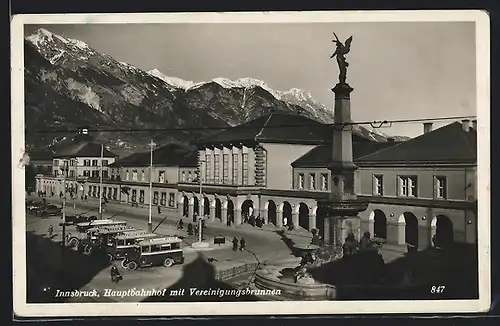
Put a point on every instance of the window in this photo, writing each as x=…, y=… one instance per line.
x=324, y=181
x=143, y=176
x=104, y=162
x=94, y=162
x=245, y=169
x=208, y=168
x=134, y=195
x=56, y=162
x=95, y=174
x=190, y=176
x=225, y=168
x=235, y=169
x=378, y=185
x=183, y=176
x=216, y=168
x=312, y=181
x=161, y=177
x=134, y=175
x=163, y=198
x=301, y=181
x=441, y=187
x=408, y=186
x=141, y=196
x=94, y=191
x=115, y=193
x=171, y=199
x=86, y=173
x=104, y=174
x=127, y=175
x=72, y=173
x=86, y=162
x=155, y=197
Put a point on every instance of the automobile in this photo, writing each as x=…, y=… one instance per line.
x=166, y=251
x=100, y=239
x=79, y=218
x=81, y=236
x=33, y=206
x=48, y=210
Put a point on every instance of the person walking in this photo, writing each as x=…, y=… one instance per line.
x=242, y=244
x=159, y=209
x=115, y=274
x=51, y=230
x=235, y=244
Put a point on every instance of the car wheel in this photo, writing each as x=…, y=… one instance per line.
x=110, y=257
x=124, y=263
x=73, y=242
x=168, y=262
x=132, y=266
x=88, y=249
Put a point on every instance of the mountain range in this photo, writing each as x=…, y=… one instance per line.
x=69, y=85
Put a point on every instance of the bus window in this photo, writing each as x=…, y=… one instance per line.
x=155, y=248
x=175, y=245
x=145, y=249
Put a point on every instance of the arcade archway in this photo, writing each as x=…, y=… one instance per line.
x=444, y=230
x=247, y=208
x=185, y=206
x=218, y=209
x=196, y=208
x=271, y=212
x=206, y=206
x=411, y=228
x=287, y=213
x=379, y=224
x=230, y=211
x=304, y=216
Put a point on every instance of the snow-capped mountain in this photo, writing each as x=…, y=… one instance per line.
x=67, y=83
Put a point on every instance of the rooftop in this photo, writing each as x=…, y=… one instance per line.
x=448, y=144
x=83, y=148
x=277, y=127
x=168, y=155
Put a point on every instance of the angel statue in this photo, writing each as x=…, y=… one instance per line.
x=340, y=52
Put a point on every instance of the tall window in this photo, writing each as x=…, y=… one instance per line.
x=56, y=162
x=86, y=173
x=244, y=173
x=324, y=181
x=115, y=193
x=301, y=181
x=208, y=168
x=72, y=173
x=216, y=167
x=127, y=176
x=183, y=176
x=155, y=197
x=104, y=174
x=163, y=198
x=225, y=168
x=86, y=162
x=190, y=176
x=95, y=174
x=312, y=181
x=104, y=162
x=143, y=176
x=94, y=162
x=134, y=175
x=408, y=186
x=441, y=187
x=161, y=177
x=134, y=195
x=235, y=169
x=141, y=196
x=378, y=185
x=171, y=199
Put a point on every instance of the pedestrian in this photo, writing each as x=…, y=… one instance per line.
x=242, y=243
x=190, y=229
x=290, y=227
x=51, y=230
x=159, y=209
x=235, y=244
x=181, y=224
x=285, y=221
x=86, y=198
x=115, y=274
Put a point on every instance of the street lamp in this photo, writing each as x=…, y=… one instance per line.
x=100, y=182
x=150, y=223
x=64, y=171
x=200, y=216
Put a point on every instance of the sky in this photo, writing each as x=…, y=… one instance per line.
x=399, y=70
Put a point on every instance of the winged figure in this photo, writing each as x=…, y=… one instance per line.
x=340, y=52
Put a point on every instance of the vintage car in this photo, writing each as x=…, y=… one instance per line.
x=75, y=239
x=48, y=210
x=166, y=251
x=100, y=239
x=80, y=218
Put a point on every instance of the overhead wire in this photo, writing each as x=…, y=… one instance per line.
x=374, y=124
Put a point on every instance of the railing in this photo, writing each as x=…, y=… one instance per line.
x=235, y=271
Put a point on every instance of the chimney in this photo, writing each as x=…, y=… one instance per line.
x=427, y=127
x=474, y=125
x=465, y=125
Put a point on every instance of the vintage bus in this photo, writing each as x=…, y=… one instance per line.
x=126, y=242
x=102, y=237
x=75, y=240
x=166, y=251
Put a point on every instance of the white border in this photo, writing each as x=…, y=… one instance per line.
x=21, y=308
